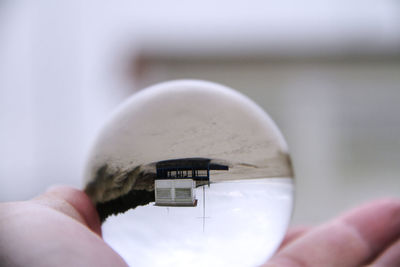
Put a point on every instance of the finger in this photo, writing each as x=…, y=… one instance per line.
x=377, y=223
x=293, y=234
x=74, y=203
x=352, y=240
x=390, y=257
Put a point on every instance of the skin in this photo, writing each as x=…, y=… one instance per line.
x=61, y=228
x=368, y=235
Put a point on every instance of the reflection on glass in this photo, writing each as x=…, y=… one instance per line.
x=214, y=190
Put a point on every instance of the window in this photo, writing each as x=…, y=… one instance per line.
x=201, y=173
x=164, y=193
x=183, y=193
x=172, y=174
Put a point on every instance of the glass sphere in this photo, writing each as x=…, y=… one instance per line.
x=191, y=173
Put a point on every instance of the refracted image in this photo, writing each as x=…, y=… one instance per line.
x=167, y=183
x=191, y=172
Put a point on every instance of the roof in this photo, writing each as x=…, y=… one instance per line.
x=189, y=164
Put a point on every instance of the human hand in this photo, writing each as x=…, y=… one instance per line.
x=59, y=228
x=368, y=235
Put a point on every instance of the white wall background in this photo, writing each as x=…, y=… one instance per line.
x=327, y=71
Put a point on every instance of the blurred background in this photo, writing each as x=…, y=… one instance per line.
x=328, y=73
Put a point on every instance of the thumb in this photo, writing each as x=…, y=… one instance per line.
x=74, y=203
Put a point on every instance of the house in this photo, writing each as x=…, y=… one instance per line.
x=177, y=179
